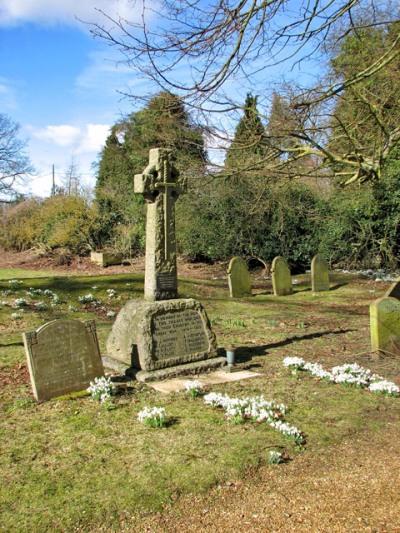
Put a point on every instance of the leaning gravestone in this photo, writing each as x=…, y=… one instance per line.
x=162, y=335
x=281, y=278
x=385, y=325
x=238, y=278
x=63, y=356
x=319, y=274
x=394, y=290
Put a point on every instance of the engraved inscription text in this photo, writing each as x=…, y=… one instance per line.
x=179, y=333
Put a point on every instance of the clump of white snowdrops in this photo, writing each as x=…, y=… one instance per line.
x=154, y=417
x=349, y=374
x=101, y=389
x=194, y=388
x=257, y=409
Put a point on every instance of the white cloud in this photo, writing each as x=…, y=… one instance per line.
x=13, y=12
x=93, y=138
x=61, y=135
x=58, y=144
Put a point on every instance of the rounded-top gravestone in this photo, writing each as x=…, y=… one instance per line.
x=319, y=274
x=63, y=356
x=385, y=325
x=239, y=278
x=281, y=278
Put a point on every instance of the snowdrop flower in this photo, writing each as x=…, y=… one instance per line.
x=193, y=388
x=153, y=416
x=101, y=389
x=20, y=302
x=294, y=362
x=16, y=316
x=86, y=298
x=275, y=458
x=288, y=430
x=385, y=387
x=111, y=314
x=317, y=370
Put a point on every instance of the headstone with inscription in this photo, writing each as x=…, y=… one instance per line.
x=281, y=278
x=162, y=335
x=63, y=356
x=238, y=278
x=319, y=274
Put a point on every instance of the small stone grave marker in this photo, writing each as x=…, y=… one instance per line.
x=319, y=274
x=239, y=278
x=281, y=278
x=63, y=356
x=385, y=325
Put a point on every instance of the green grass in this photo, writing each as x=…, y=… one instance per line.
x=20, y=273
x=71, y=464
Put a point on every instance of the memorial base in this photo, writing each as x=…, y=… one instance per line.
x=199, y=367
x=162, y=337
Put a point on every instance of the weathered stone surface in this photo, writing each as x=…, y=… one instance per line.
x=160, y=186
x=281, y=278
x=63, y=356
x=319, y=274
x=105, y=259
x=239, y=278
x=156, y=335
x=394, y=290
x=385, y=325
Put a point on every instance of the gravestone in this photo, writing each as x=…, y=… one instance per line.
x=105, y=259
x=162, y=335
x=385, y=325
x=281, y=278
x=319, y=274
x=238, y=278
x=394, y=290
x=63, y=356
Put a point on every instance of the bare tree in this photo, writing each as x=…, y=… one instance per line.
x=198, y=48
x=14, y=163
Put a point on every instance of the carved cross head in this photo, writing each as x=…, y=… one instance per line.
x=159, y=176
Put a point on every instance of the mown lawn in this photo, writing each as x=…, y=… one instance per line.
x=71, y=464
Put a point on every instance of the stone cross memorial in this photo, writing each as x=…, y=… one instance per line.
x=281, y=278
x=319, y=274
x=160, y=185
x=63, y=356
x=239, y=278
x=162, y=335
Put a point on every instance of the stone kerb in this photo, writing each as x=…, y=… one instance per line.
x=63, y=356
x=281, y=278
x=385, y=325
x=239, y=280
x=319, y=274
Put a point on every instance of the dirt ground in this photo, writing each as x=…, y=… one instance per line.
x=341, y=489
x=31, y=260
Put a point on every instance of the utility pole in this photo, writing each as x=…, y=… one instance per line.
x=53, y=187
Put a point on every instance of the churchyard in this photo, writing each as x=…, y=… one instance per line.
x=74, y=463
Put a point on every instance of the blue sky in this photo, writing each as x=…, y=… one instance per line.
x=59, y=83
